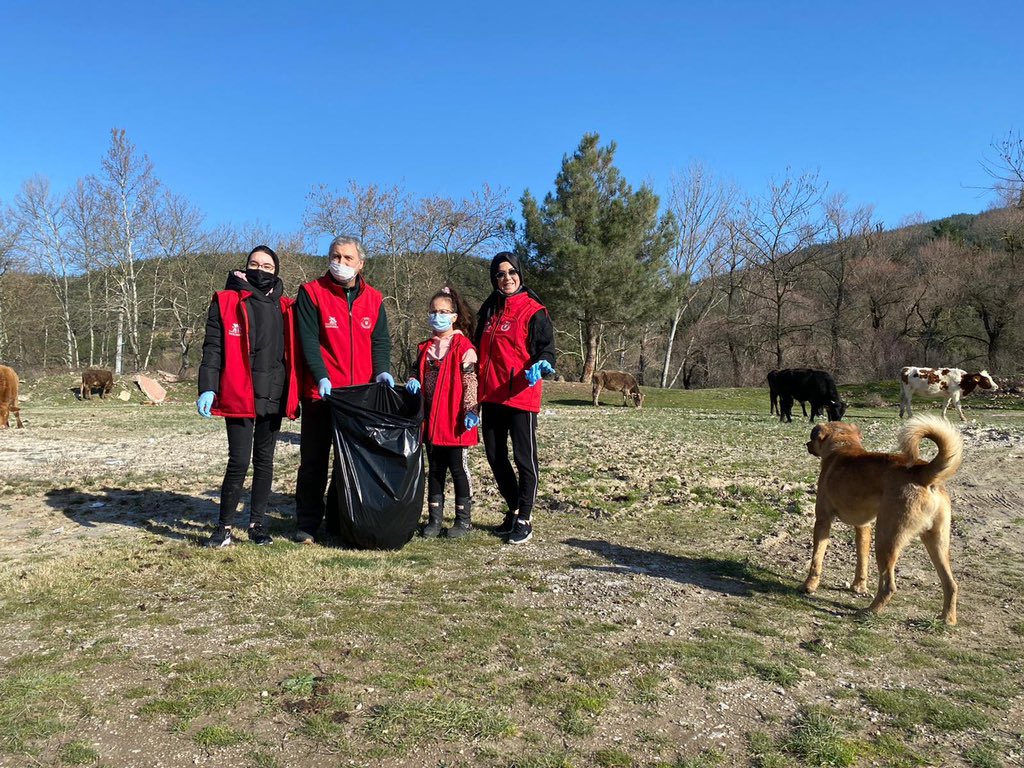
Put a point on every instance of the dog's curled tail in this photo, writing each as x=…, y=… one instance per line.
x=944, y=435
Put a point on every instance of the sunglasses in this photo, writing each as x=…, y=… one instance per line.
x=511, y=273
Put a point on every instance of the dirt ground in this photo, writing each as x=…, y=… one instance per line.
x=49, y=477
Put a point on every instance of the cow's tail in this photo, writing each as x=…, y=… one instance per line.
x=950, y=444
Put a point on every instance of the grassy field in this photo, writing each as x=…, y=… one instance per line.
x=654, y=620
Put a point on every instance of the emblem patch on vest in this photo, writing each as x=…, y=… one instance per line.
x=365, y=322
x=505, y=326
x=331, y=323
x=236, y=330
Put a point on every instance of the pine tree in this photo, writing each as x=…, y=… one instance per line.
x=598, y=248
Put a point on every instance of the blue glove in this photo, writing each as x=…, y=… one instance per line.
x=472, y=420
x=412, y=386
x=386, y=378
x=204, y=403
x=538, y=369
x=324, y=388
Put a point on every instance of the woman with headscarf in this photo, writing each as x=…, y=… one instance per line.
x=244, y=378
x=516, y=344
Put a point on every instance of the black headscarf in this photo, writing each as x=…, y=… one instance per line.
x=496, y=301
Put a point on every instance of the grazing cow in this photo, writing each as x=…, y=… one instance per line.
x=618, y=381
x=96, y=378
x=807, y=384
x=773, y=394
x=9, y=397
x=950, y=383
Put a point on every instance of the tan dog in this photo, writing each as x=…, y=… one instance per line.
x=906, y=494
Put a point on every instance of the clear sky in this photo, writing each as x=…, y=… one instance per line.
x=244, y=106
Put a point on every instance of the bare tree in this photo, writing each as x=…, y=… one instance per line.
x=128, y=189
x=10, y=235
x=181, y=242
x=1004, y=163
x=851, y=235
x=702, y=205
x=44, y=240
x=780, y=231
x=83, y=208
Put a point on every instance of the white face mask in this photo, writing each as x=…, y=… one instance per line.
x=342, y=272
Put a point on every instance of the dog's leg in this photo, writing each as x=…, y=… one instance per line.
x=822, y=529
x=936, y=541
x=889, y=543
x=860, y=579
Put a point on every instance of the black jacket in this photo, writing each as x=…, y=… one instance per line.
x=266, y=346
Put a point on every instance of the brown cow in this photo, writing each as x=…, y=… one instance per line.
x=618, y=381
x=9, y=397
x=96, y=378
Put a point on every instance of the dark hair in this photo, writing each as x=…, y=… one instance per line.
x=467, y=319
x=267, y=250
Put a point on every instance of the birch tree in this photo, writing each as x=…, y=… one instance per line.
x=702, y=206
x=44, y=239
x=128, y=187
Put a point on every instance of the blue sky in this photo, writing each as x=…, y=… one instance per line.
x=243, y=107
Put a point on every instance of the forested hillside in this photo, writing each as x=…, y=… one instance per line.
x=709, y=286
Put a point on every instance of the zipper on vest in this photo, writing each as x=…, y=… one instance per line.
x=351, y=345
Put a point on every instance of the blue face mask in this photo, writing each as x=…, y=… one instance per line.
x=440, y=321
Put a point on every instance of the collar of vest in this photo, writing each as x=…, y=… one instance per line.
x=332, y=285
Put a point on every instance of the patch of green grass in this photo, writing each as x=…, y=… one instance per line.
x=218, y=736
x=895, y=752
x=189, y=703
x=764, y=753
x=782, y=674
x=613, y=757
x=982, y=756
x=403, y=724
x=708, y=758
x=910, y=707
x=818, y=740
x=27, y=713
x=77, y=753
x=259, y=759
x=543, y=760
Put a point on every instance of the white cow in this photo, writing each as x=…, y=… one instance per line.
x=950, y=383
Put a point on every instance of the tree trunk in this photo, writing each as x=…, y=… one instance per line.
x=672, y=329
x=592, y=336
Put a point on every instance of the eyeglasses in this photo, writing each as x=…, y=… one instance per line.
x=511, y=273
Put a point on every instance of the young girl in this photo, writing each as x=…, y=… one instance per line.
x=447, y=376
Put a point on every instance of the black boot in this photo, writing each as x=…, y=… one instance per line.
x=435, y=508
x=463, y=525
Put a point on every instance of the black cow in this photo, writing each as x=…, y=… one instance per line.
x=773, y=394
x=806, y=384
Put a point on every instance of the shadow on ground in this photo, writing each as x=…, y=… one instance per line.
x=731, y=577
x=175, y=516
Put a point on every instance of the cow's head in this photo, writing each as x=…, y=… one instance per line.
x=638, y=397
x=985, y=381
x=836, y=410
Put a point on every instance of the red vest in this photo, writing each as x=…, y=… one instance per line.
x=445, y=423
x=345, y=333
x=504, y=355
x=235, y=398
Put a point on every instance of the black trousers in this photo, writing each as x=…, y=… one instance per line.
x=317, y=437
x=255, y=440
x=499, y=423
x=444, y=459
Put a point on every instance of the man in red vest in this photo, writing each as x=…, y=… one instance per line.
x=516, y=344
x=343, y=330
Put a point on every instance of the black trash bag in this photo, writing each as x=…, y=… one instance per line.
x=376, y=493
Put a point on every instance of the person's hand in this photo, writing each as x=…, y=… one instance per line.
x=324, y=388
x=412, y=386
x=537, y=370
x=204, y=403
x=472, y=420
x=386, y=378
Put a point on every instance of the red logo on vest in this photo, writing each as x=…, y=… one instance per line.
x=365, y=322
x=236, y=330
